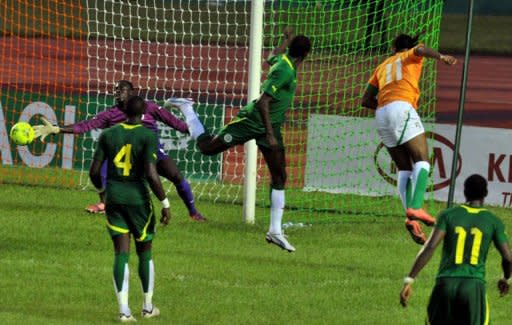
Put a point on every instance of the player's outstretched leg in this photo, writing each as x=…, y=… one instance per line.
x=167, y=168
x=207, y=144
x=185, y=105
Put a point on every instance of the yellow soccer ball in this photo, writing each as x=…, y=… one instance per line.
x=22, y=133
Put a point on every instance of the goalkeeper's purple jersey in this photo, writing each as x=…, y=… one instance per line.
x=114, y=115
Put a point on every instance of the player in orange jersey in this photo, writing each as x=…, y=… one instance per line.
x=393, y=92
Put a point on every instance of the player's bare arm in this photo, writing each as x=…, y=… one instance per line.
x=506, y=265
x=95, y=175
x=157, y=188
x=427, y=52
x=288, y=36
x=422, y=259
x=370, y=97
x=263, y=105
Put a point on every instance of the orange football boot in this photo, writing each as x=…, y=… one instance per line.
x=414, y=229
x=421, y=215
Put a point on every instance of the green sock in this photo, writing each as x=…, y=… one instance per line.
x=145, y=269
x=147, y=278
x=420, y=179
x=120, y=261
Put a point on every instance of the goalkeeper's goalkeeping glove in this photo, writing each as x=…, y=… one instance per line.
x=45, y=129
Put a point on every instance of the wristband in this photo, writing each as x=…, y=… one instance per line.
x=408, y=280
x=165, y=203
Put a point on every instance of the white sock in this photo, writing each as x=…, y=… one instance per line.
x=195, y=127
x=404, y=177
x=147, y=303
x=276, y=210
x=122, y=293
x=416, y=169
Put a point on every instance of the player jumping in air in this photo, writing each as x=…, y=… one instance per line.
x=261, y=120
x=394, y=92
x=165, y=165
x=130, y=151
x=468, y=230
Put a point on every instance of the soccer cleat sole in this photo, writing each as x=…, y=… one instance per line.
x=420, y=215
x=418, y=238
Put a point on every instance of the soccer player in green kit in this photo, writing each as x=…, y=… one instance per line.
x=261, y=120
x=467, y=230
x=130, y=150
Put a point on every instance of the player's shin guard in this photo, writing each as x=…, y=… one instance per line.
x=147, y=278
x=420, y=172
x=186, y=196
x=404, y=184
x=121, y=280
x=276, y=210
x=195, y=127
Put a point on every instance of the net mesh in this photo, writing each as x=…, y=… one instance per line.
x=69, y=56
x=332, y=147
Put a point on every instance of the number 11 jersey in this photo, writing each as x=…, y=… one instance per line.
x=397, y=78
x=469, y=234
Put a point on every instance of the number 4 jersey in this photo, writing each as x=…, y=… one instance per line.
x=469, y=234
x=397, y=78
x=126, y=147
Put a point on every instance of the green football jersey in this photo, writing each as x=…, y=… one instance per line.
x=126, y=148
x=280, y=84
x=469, y=234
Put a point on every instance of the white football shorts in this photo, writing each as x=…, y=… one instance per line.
x=397, y=123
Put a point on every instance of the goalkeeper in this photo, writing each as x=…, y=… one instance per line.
x=261, y=120
x=165, y=165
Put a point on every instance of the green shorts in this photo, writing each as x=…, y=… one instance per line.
x=458, y=301
x=242, y=129
x=138, y=220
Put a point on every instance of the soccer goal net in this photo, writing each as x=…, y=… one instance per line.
x=63, y=58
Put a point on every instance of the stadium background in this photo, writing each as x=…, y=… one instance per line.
x=55, y=260
x=62, y=55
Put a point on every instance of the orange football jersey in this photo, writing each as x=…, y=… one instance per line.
x=397, y=78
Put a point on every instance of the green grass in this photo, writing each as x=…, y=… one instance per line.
x=55, y=266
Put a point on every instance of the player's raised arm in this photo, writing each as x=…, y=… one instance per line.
x=427, y=52
x=287, y=39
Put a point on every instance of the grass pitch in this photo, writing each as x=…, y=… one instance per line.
x=56, y=260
